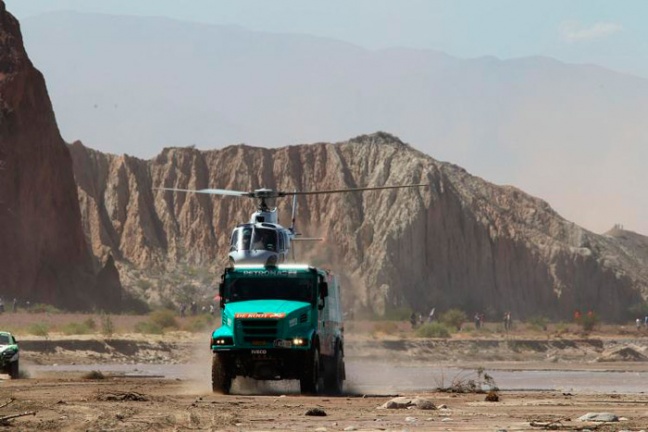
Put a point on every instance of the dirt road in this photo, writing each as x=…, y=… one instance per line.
x=70, y=403
x=63, y=400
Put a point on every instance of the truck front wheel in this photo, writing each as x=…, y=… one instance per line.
x=14, y=370
x=221, y=376
x=310, y=379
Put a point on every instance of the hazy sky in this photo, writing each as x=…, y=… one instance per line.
x=610, y=33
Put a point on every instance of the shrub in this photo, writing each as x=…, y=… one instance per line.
x=562, y=327
x=433, y=330
x=398, y=314
x=90, y=323
x=453, y=318
x=38, y=329
x=148, y=327
x=639, y=309
x=75, y=328
x=163, y=318
x=107, y=325
x=93, y=375
x=588, y=321
x=538, y=323
x=477, y=381
x=385, y=327
x=200, y=323
x=44, y=308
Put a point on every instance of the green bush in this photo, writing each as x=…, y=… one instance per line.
x=90, y=323
x=75, y=328
x=453, y=318
x=433, y=330
x=588, y=321
x=398, y=314
x=562, y=327
x=148, y=327
x=43, y=308
x=538, y=323
x=38, y=329
x=638, y=310
x=164, y=318
x=200, y=323
x=385, y=327
x=107, y=325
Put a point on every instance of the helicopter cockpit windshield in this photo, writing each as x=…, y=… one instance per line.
x=254, y=238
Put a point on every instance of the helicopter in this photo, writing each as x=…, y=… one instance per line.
x=263, y=240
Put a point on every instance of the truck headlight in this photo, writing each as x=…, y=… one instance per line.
x=222, y=340
x=300, y=342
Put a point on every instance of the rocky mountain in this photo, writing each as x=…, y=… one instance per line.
x=461, y=242
x=44, y=255
x=548, y=127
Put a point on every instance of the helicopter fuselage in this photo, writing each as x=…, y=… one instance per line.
x=259, y=243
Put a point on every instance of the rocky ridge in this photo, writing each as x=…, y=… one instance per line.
x=462, y=242
x=44, y=255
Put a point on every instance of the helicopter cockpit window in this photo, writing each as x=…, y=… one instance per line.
x=264, y=239
x=235, y=239
x=281, y=241
x=245, y=237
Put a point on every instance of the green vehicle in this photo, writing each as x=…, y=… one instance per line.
x=9, y=355
x=279, y=323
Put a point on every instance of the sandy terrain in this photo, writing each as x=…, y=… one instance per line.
x=162, y=383
x=74, y=404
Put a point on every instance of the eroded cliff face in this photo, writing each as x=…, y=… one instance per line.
x=43, y=253
x=462, y=242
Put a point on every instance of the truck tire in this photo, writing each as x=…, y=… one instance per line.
x=221, y=376
x=334, y=374
x=309, y=383
x=14, y=370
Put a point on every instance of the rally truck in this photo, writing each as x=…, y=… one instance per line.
x=9, y=355
x=280, y=322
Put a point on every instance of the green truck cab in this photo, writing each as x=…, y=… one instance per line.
x=9, y=355
x=279, y=322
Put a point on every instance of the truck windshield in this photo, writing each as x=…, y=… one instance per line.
x=296, y=289
x=4, y=340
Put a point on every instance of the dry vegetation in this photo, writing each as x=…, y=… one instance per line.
x=49, y=322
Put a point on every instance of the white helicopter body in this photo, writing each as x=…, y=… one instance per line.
x=263, y=240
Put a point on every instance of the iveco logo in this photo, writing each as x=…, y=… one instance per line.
x=259, y=351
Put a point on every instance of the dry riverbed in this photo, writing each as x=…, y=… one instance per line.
x=162, y=383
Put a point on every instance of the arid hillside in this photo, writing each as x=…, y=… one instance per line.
x=460, y=242
x=44, y=256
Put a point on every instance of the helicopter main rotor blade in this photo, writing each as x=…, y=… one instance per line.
x=209, y=191
x=349, y=190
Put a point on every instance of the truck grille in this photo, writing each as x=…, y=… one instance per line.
x=258, y=331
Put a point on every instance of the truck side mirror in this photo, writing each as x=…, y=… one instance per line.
x=221, y=292
x=321, y=303
x=323, y=289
